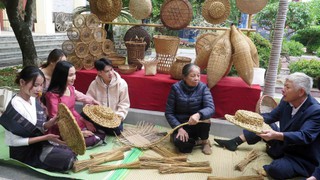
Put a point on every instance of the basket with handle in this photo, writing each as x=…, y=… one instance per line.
x=135, y=50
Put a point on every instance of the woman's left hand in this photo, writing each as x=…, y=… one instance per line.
x=194, y=119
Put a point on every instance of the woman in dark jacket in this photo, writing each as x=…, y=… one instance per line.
x=190, y=101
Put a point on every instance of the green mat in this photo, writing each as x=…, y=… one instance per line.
x=130, y=156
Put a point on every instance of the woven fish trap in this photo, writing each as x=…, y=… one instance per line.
x=79, y=21
x=107, y=46
x=68, y=47
x=265, y=104
x=73, y=34
x=253, y=50
x=104, y=116
x=176, y=14
x=238, y=42
x=77, y=62
x=251, y=6
x=92, y=21
x=137, y=32
x=177, y=66
x=140, y=9
x=166, y=44
x=219, y=59
x=135, y=51
x=95, y=48
x=165, y=63
x=205, y=40
x=150, y=66
x=70, y=131
x=244, y=66
x=81, y=49
x=86, y=34
x=88, y=62
x=99, y=34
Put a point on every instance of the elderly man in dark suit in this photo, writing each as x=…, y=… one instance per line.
x=295, y=145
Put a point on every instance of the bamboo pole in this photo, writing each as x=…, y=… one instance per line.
x=172, y=164
x=165, y=159
x=179, y=169
x=249, y=24
x=188, y=27
x=100, y=168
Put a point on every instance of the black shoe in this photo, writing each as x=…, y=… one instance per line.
x=231, y=145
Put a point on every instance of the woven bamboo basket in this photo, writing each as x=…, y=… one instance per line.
x=135, y=51
x=81, y=49
x=242, y=62
x=68, y=47
x=88, y=62
x=99, y=34
x=127, y=69
x=95, y=48
x=86, y=34
x=137, y=32
x=117, y=60
x=250, y=6
x=219, y=60
x=176, y=14
x=107, y=46
x=77, y=62
x=92, y=21
x=150, y=66
x=140, y=9
x=73, y=34
x=79, y=21
x=178, y=64
x=204, y=40
x=265, y=104
x=253, y=50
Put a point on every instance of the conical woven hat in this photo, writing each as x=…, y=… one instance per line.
x=248, y=120
x=216, y=11
x=140, y=9
x=251, y=6
x=104, y=116
x=70, y=131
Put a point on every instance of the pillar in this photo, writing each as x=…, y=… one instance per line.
x=44, y=23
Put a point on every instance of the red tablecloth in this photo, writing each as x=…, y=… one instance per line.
x=151, y=92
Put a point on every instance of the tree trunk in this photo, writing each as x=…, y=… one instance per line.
x=21, y=28
x=271, y=76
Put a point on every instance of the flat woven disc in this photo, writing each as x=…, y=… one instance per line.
x=73, y=34
x=95, y=48
x=88, y=62
x=77, y=62
x=86, y=34
x=68, y=47
x=81, y=50
x=92, y=21
x=99, y=34
x=79, y=21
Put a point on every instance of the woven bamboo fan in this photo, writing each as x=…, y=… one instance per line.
x=88, y=62
x=92, y=21
x=140, y=9
x=107, y=46
x=137, y=32
x=70, y=131
x=73, y=34
x=79, y=21
x=68, y=47
x=265, y=104
x=176, y=14
x=82, y=49
x=77, y=62
x=95, y=48
x=102, y=115
x=99, y=34
x=86, y=34
x=251, y=6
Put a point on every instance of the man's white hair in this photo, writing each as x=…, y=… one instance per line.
x=301, y=80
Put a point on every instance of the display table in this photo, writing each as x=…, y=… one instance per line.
x=151, y=92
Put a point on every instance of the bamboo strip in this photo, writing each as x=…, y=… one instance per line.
x=84, y=164
x=156, y=165
x=100, y=168
x=252, y=155
x=163, y=151
x=253, y=177
x=188, y=27
x=102, y=154
x=166, y=159
x=178, y=169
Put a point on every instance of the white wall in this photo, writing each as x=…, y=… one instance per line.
x=65, y=6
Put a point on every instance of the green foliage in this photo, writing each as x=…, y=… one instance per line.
x=309, y=37
x=309, y=67
x=8, y=76
x=314, y=11
x=292, y=48
x=318, y=52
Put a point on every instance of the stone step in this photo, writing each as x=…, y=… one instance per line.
x=41, y=45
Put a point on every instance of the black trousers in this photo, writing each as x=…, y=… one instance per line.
x=198, y=131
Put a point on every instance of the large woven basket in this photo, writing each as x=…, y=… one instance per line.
x=137, y=32
x=135, y=51
x=265, y=104
x=251, y=6
x=176, y=14
x=73, y=34
x=176, y=68
x=68, y=47
x=77, y=62
x=81, y=49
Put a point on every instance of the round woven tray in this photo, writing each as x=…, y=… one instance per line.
x=77, y=62
x=95, y=48
x=251, y=6
x=79, y=21
x=81, y=49
x=99, y=34
x=86, y=34
x=265, y=104
x=107, y=46
x=92, y=21
x=137, y=31
x=68, y=47
x=70, y=131
x=176, y=14
x=88, y=62
x=104, y=116
x=73, y=34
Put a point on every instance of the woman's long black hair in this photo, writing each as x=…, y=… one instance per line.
x=59, y=78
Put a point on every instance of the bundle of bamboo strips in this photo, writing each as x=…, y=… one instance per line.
x=252, y=155
x=84, y=164
x=253, y=177
x=100, y=168
x=172, y=164
x=163, y=151
x=102, y=154
x=165, y=159
x=179, y=169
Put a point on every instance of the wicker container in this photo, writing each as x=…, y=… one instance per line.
x=177, y=66
x=265, y=104
x=117, y=60
x=135, y=51
x=137, y=32
x=127, y=69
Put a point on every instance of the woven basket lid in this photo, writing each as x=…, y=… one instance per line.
x=92, y=21
x=79, y=21
x=82, y=49
x=86, y=34
x=107, y=46
x=104, y=116
x=73, y=34
x=137, y=31
x=88, y=62
x=106, y=10
x=68, y=47
x=251, y=6
x=205, y=40
x=216, y=11
x=99, y=34
x=176, y=14
x=95, y=48
x=77, y=62
x=70, y=131
x=265, y=104
x=140, y=9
